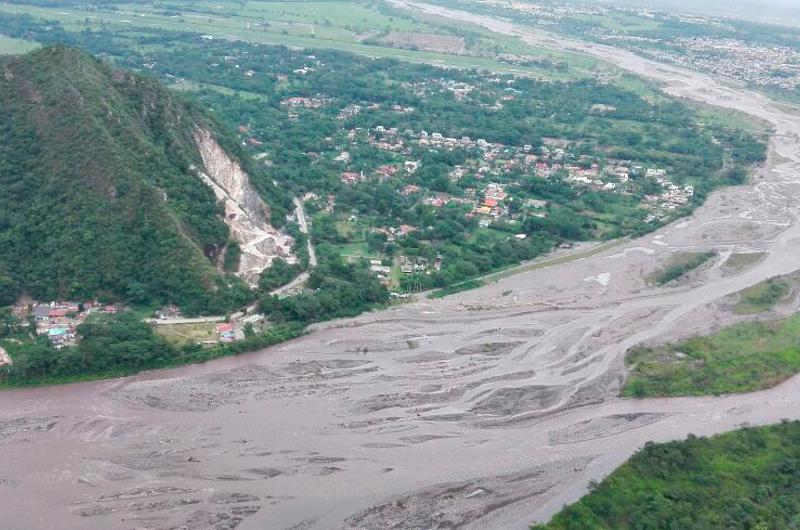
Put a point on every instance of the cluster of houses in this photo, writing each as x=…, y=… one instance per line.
x=490, y=181
x=419, y=265
x=763, y=65
x=233, y=331
x=295, y=103
x=59, y=321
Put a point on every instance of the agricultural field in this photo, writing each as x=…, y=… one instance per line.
x=374, y=29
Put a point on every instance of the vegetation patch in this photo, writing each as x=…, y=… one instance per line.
x=181, y=334
x=457, y=288
x=746, y=479
x=741, y=358
x=740, y=262
x=424, y=41
x=678, y=266
x=115, y=346
x=10, y=45
x=763, y=296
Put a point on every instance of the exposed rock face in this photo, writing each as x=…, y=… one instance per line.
x=246, y=214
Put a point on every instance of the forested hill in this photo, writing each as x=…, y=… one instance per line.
x=100, y=193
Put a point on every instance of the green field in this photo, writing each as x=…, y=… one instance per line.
x=181, y=334
x=342, y=25
x=679, y=265
x=743, y=480
x=763, y=296
x=741, y=358
x=9, y=46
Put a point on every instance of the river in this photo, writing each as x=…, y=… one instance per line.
x=487, y=409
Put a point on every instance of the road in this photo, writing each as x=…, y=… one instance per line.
x=301, y=220
x=486, y=409
x=197, y=320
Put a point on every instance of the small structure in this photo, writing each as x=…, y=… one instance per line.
x=5, y=359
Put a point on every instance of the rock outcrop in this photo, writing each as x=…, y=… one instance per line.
x=246, y=213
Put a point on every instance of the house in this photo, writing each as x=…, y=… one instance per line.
x=406, y=229
x=409, y=190
x=224, y=328
x=411, y=166
x=351, y=177
x=386, y=171
x=41, y=313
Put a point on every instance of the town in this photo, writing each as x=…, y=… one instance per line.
x=60, y=321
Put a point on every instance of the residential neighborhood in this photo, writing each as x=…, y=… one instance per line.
x=59, y=321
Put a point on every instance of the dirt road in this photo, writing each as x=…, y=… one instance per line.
x=301, y=220
x=488, y=409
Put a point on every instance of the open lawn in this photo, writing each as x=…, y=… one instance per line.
x=741, y=358
x=357, y=250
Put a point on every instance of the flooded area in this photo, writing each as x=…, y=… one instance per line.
x=487, y=409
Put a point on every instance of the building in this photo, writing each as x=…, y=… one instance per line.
x=5, y=359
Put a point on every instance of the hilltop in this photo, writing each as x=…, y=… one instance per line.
x=116, y=187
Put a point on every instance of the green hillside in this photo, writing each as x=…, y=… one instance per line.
x=100, y=193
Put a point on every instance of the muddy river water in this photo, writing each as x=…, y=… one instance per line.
x=487, y=409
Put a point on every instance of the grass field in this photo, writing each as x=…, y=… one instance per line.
x=742, y=480
x=742, y=358
x=9, y=46
x=180, y=334
x=622, y=23
x=189, y=86
x=357, y=250
x=730, y=119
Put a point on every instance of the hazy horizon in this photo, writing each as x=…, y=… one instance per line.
x=761, y=10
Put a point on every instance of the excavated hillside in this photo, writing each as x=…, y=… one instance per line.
x=103, y=195
x=246, y=213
